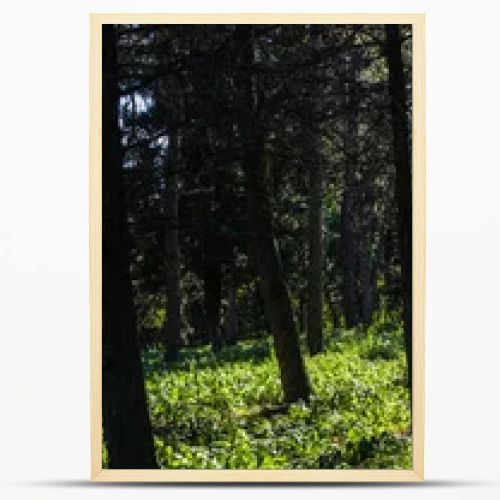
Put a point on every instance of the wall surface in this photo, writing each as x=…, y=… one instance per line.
x=44, y=320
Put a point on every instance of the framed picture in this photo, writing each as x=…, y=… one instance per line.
x=257, y=245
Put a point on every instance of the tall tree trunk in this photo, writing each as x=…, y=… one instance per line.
x=302, y=312
x=172, y=251
x=315, y=270
x=231, y=319
x=399, y=111
x=277, y=305
x=367, y=264
x=275, y=295
x=366, y=283
x=127, y=429
x=212, y=281
x=347, y=229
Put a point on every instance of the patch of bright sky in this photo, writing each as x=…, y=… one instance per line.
x=142, y=102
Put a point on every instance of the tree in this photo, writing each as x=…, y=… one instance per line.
x=127, y=430
x=399, y=115
x=314, y=156
x=348, y=233
x=172, y=251
x=277, y=304
x=315, y=271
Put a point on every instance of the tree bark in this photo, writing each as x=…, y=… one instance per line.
x=367, y=264
x=347, y=229
x=212, y=281
x=277, y=305
x=302, y=310
x=172, y=252
x=231, y=320
x=367, y=286
x=399, y=112
x=127, y=429
x=315, y=270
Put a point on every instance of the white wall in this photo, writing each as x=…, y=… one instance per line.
x=44, y=432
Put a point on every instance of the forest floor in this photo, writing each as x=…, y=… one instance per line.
x=223, y=411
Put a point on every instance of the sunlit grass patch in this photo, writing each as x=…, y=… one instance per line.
x=225, y=411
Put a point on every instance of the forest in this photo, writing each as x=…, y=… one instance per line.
x=257, y=246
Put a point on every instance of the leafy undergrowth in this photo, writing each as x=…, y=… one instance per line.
x=216, y=412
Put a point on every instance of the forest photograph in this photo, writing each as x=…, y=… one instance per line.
x=257, y=246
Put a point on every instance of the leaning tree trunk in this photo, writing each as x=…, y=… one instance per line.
x=275, y=295
x=172, y=252
x=399, y=111
x=315, y=270
x=277, y=305
x=127, y=429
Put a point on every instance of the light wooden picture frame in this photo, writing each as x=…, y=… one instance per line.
x=419, y=248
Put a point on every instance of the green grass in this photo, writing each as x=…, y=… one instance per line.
x=211, y=412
